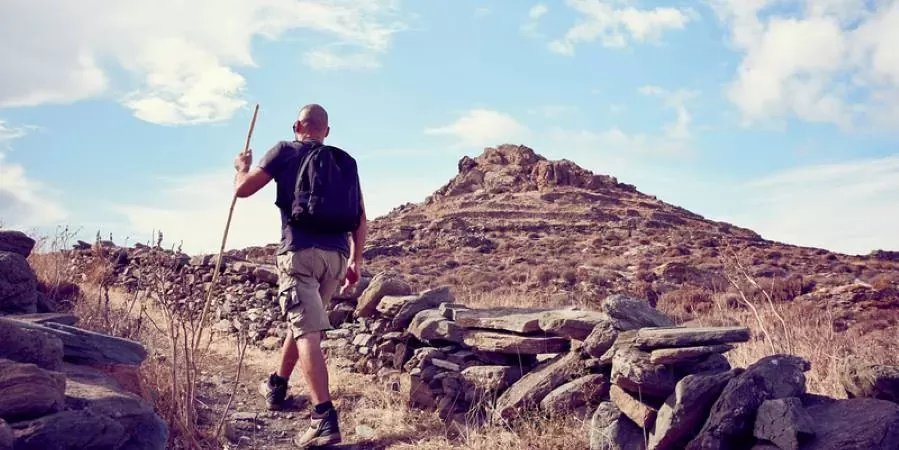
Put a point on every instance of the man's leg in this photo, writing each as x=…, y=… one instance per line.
x=289, y=356
x=324, y=428
x=312, y=364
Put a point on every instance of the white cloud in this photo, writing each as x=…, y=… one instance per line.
x=25, y=203
x=822, y=61
x=329, y=60
x=537, y=11
x=483, y=128
x=181, y=58
x=615, y=25
x=529, y=28
x=482, y=12
x=679, y=130
x=848, y=207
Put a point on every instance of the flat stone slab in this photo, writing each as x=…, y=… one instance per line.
x=492, y=341
x=639, y=412
x=431, y=325
x=87, y=347
x=570, y=323
x=685, y=354
x=536, y=384
x=63, y=318
x=668, y=337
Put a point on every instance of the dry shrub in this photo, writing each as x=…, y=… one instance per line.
x=809, y=333
x=545, y=276
x=882, y=282
x=682, y=304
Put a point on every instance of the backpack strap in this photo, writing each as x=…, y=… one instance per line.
x=315, y=146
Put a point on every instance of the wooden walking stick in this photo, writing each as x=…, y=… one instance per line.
x=218, y=262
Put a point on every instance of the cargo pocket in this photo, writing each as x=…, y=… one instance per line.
x=287, y=299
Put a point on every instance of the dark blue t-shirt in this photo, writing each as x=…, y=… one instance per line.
x=282, y=162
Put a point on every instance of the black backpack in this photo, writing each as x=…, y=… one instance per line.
x=327, y=197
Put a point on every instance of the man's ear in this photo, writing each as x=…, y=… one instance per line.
x=297, y=126
x=328, y=131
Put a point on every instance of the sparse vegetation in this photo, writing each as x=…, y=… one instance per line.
x=825, y=307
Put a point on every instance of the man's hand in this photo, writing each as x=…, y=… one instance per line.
x=352, y=276
x=243, y=161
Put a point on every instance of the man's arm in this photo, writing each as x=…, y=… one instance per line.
x=247, y=182
x=359, y=235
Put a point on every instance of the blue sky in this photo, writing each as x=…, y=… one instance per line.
x=124, y=117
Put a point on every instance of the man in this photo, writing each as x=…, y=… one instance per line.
x=311, y=267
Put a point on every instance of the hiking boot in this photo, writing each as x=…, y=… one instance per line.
x=275, y=391
x=323, y=430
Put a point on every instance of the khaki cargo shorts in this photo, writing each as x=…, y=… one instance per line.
x=307, y=279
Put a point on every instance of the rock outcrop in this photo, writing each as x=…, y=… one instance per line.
x=57, y=389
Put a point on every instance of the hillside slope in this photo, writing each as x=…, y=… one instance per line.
x=513, y=222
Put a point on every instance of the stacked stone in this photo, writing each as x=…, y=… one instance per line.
x=673, y=389
x=650, y=368
x=62, y=386
x=474, y=364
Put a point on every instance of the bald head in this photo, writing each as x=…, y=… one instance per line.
x=312, y=122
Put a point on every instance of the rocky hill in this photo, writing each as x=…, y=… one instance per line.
x=512, y=221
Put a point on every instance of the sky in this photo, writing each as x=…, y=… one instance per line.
x=124, y=117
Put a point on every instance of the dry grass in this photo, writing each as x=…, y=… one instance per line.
x=169, y=374
x=778, y=326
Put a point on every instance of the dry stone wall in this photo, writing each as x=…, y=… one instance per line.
x=62, y=386
x=638, y=380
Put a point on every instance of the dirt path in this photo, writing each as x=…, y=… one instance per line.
x=371, y=415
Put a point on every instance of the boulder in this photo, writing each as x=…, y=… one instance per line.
x=600, y=339
x=871, y=380
x=859, y=423
x=490, y=380
x=684, y=412
x=536, y=384
x=730, y=421
x=628, y=313
x=86, y=347
x=431, y=325
x=78, y=429
x=633, y=371
x=16, y=242
x=90, y=389
x=384, y=283
x=29, y=345
x=18, y=285
x=586, y=391
x=612, y=430
x=404, y=307
x=783, y=422
x=28, y=392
